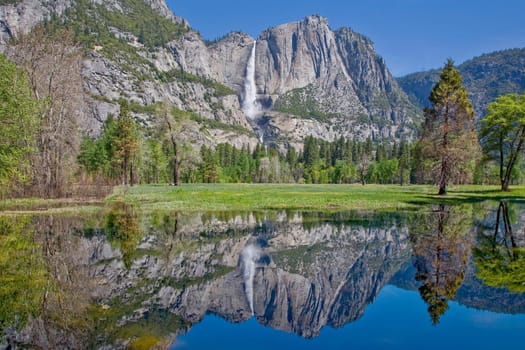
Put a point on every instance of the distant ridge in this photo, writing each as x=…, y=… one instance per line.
x=485, y=77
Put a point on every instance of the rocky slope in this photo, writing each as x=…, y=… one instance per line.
x=310, y=80
x=485, y=77
x=333, y=77
x=20, y=16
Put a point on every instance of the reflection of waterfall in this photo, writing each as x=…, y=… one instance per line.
x=249, y=257
x=250, y=106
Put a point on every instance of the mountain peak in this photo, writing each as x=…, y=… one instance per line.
x=315, y=19
x=161, y=7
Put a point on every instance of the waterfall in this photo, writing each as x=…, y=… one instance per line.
x=249, y=257
x=250, y=107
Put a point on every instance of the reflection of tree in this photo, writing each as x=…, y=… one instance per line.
x=123, y=230
x=67, y=301
x=23, y=276
x=441, y=249
x=499, y=260
x=44, y=283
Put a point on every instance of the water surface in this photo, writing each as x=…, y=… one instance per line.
x=442, y=276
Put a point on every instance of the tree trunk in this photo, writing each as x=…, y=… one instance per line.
x=125, y=170
x=505, y=184
x=175, y=162
x=131, y=175
x=175, y=171
x=443, y=179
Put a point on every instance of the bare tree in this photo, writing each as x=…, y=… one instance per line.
x=175, y=127
x=53, y=63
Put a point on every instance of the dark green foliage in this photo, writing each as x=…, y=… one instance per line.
x=92, y=156
x=212, y=123
x=321, y=162
x=182, y=76
x=92, y=22
x=114, y=154
x=301, y=103
x=139, y=18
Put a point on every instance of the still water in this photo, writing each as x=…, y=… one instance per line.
x=441, y=276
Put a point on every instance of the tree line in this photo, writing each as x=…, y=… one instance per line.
x=43, y=153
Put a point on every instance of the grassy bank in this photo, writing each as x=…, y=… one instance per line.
x=302, y=197
x=247, y=197
x=50, y=206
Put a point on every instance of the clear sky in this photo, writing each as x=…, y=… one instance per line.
x=412, y=35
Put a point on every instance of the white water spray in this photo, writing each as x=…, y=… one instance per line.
x=249, y=257
x=250, y=107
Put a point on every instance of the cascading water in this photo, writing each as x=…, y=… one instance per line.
x=249, y=257
x=250, y=106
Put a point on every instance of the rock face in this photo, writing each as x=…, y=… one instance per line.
x=486, y=77
x=310, y=80
x=22, y=16
x=307, y=71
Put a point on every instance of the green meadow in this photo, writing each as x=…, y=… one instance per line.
x=223, y=197
x=246, y=197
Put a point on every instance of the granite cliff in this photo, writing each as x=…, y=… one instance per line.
x=309, y=79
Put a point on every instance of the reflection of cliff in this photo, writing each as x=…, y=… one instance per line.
x=128, y=280
x=303, y=279
x=328, y=277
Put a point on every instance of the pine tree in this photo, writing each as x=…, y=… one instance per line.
x=127, y=144
x=448, y=142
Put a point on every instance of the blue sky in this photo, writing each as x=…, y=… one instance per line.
x=411, y=35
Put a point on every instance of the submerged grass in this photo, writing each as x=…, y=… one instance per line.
x=224, y=197
x=35, y=206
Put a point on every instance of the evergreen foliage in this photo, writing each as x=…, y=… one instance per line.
x=301, y=102
x=115, y=154
x=321, y=161
x=92, y=23
x=448, y=144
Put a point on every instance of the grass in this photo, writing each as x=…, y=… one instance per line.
x=255, y=197
x=245, y=197
x=35, y=206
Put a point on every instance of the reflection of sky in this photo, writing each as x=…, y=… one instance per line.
x=396, y=320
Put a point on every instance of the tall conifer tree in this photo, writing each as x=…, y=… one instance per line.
x=448, y=143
